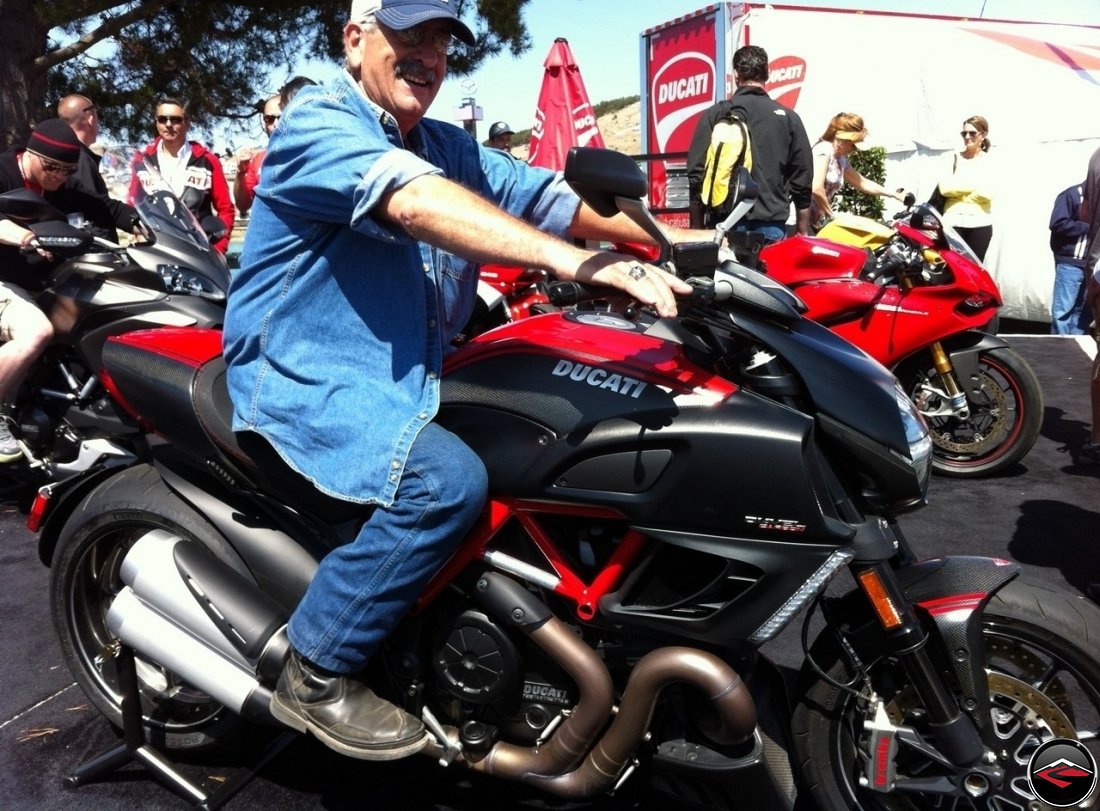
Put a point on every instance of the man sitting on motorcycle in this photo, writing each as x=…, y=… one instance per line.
x=42, y=166
x=338, y=319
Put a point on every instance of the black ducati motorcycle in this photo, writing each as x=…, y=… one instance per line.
x=667, y=495
x=63, y=417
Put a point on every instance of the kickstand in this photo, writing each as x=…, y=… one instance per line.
x=135, y=748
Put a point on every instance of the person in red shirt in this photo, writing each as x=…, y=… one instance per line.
x=249, y=161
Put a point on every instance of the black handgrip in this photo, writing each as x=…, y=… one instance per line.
x=566, y=294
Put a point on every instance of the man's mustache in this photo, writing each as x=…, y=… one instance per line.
x=413, y=70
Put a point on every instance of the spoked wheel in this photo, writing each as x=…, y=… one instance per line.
x=1004, y=419
x=1043, y=669
x=86, y=578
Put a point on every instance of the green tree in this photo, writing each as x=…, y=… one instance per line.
x=215, y=54
x=871, y=163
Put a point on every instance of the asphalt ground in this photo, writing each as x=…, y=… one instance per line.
x=1044, y=513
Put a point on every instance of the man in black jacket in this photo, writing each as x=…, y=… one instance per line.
x=41, y=167
x=80, y=113
x=781, y=161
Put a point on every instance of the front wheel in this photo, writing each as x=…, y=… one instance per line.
x=1042, y=651
x=1004, y=420
x=85, y=579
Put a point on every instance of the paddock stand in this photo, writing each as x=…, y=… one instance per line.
x=135, y=748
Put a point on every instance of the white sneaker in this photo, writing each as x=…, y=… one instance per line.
x=9, y=449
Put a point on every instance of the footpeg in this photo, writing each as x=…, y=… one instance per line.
x=450, y=746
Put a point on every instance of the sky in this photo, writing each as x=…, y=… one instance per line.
x=604, y=38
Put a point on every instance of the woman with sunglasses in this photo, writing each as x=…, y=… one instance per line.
x=968, y=187
x=832, y=168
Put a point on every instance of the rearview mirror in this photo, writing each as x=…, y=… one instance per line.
x=598, y=176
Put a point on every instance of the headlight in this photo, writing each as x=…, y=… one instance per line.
x=181, y=280
x=916, y=434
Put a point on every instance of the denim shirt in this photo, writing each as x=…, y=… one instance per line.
x=337, y=321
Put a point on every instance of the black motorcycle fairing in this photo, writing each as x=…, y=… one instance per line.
x=841, y=379
x=707, y=587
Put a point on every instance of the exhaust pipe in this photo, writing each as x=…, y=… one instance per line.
x=190, y=658
x=202, y=620
x=553, y=765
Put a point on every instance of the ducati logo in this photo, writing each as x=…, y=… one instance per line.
x=785, y=77
x=600, y=378
x=1062, y=773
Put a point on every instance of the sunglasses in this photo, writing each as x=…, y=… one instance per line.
x=270, y=119
x=174, y=120
x=969, y=133
x=443, y=43
x=63, y=169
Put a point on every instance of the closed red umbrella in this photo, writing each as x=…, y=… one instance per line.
x=564, y=117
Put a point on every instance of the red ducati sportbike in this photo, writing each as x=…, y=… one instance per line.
x=917, y=300
x=668, y=494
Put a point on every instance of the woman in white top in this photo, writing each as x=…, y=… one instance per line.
x=832, y=170
x=967, y=188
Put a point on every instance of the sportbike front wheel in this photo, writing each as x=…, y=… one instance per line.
x=1042, y=650
x=1004, y=420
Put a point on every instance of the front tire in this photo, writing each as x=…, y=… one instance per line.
x=84, y=581
x=1042, y=651
x=1003, y=424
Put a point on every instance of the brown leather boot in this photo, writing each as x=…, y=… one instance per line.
x=344, y=714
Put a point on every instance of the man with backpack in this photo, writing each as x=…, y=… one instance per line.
x=777, y=155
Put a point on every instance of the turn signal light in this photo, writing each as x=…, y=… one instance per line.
x=880, y=599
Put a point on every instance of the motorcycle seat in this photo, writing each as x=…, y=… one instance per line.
x=250, y=454
x=181, y=393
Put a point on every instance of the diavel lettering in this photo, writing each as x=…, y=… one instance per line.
x=781, y=524
x=697, y=85
x=601, y=378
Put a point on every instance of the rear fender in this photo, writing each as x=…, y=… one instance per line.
x=62, y=498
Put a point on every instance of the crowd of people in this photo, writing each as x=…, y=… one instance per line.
x=363, y=202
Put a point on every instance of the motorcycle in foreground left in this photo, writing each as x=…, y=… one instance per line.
x=64, y=419
x=667, y=495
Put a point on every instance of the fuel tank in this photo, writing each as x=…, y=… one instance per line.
x=800, y=259
x=588, y=408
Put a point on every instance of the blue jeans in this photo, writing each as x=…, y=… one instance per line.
x=1067, y=311
x=363, y=589
x=773, y=231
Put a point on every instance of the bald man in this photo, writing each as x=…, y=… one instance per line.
x=80, y=113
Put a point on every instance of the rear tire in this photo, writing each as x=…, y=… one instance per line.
x=1000, y=430
x=1043, y=652
x=84, y=581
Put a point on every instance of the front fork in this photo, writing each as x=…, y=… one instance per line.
x=951, y=391
x=951, y=592
x=907, y=640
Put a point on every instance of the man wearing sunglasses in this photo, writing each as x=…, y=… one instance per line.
x=192, y=172
x=249, y=160
x=80, y=113
x=362, y=210
x=41, y=166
